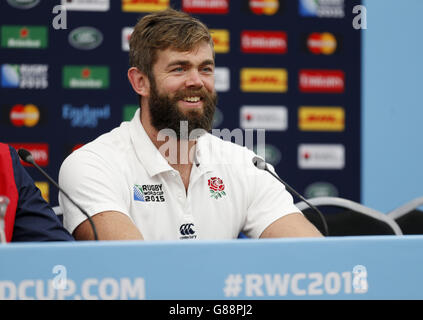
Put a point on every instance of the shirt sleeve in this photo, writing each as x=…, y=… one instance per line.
x=268, y=201
x=92, y=182
x=35, y=220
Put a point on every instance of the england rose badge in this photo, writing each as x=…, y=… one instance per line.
x=217, y=188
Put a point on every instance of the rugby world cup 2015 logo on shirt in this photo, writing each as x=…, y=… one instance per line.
x=216, y=187
x=149, y=193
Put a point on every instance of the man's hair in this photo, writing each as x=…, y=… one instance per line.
x=162, y=30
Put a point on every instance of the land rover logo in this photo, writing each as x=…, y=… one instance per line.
x=272, y=154
x=217, y=118
x=321, y=189
x=23, y=4
x=85, y=38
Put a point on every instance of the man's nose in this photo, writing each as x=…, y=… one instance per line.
x=194, y=79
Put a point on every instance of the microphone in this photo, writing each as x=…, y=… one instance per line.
x=262, y=165
x=26, y=156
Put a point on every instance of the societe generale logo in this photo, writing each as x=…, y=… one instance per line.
x=264, y=42
x=273, y=118
x=222, y=81
x=322, y=81
x=40, y=152
x=126, y=36
x=321, y=118
x=86, y=5
x=206, y=6
x=321, y=156
x=264, y=80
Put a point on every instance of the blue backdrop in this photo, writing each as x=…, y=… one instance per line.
x=315, y=140
x=392, y=110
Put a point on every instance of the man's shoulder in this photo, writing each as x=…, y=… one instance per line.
x=106, y=147
x=223, y=151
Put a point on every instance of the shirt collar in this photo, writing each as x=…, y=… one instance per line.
x=146, y=151
x=203, y=157
x=151, y=158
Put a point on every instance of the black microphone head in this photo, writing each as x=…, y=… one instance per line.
x=25, y=155
x=259, y=162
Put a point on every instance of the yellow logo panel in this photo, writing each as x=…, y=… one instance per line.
x=321, y=118
x=44, y=188
x=220, y=40
x=264, y=80
x=144, y=5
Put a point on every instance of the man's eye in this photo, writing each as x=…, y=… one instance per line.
x=178, y=69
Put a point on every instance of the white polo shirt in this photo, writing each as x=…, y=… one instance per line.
x=123, y=171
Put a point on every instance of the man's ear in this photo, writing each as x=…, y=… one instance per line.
x=139, y=81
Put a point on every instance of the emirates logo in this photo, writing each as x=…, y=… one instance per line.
x=217, y=188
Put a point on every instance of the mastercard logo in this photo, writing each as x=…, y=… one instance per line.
x=266, y=7
x=220, y=40
x=24, y=115
x=322, y=43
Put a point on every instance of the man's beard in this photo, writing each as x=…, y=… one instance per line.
x=165, y=113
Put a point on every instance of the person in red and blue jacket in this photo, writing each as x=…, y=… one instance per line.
x=28, y=216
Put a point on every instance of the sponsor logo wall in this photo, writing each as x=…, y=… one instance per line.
x=290, y=67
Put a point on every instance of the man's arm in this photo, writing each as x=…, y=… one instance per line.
x=35, y=220
x=110, y=225
x=291, y=225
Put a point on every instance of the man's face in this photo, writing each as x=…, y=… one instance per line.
x=182, y=89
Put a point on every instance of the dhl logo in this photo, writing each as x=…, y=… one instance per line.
x=220, y=40
x=321, y=118
x=264, y=80
x=44, y=189
x=144, y=5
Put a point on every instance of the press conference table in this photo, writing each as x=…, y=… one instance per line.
x=365, y=267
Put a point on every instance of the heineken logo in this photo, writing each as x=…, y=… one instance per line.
x=129, y=111
x=85, y=38
x=216, y=187
x=23, y=4
x=25, y=37
x=85, y=77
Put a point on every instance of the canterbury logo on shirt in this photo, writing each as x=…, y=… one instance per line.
x=149, y=193
x=187, y=231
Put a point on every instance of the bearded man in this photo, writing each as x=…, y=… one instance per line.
x=162, y=176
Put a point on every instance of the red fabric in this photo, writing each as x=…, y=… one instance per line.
x=8, y=189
